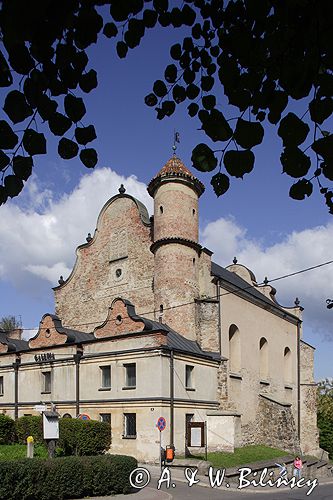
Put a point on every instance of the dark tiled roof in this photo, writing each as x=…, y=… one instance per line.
x=245, y=288
x=73, y=336
x=179, y=343
x=13, y=344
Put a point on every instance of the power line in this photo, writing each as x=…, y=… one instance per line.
x=234, y=292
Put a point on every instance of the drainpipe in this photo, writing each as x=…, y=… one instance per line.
x=16, y=365
x=77, y=359
x=219, y=313
x=172, y=395
x=299, y=380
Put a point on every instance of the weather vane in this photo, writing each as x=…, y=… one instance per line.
x=176, y=139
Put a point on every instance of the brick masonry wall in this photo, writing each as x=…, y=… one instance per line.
x=47, y=334
x=274, y=426
x=309, y=431
x=121, y=242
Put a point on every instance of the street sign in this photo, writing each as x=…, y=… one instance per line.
x=83, y=416
x=161, y=424
x=40, y=408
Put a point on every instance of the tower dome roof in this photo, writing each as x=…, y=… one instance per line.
x=175, y=170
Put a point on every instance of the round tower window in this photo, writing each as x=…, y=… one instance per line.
x=161, y=209
x=118, y=272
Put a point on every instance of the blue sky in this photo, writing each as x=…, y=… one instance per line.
x=256, y=220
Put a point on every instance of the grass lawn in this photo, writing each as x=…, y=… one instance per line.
x=241, y=456
x=16, y=451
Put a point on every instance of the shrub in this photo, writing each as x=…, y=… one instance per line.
x=84, y=437
x=29, y=426
x=7, y=430
x=66, y=477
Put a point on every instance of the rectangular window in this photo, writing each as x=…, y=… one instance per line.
x=105, y=417
x=46, y=384
x=130, y=425
x=130, y=375
x=106, y=377
x=1, y=386
x=189, y=376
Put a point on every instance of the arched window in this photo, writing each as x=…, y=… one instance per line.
x=234, y=349
x=287, y=365
x=263, y=358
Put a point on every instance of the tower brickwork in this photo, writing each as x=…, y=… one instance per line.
x=176, y=250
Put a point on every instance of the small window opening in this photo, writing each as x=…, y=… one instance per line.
x=193, y=211
x=161, y=209
x=118, y=272
x=161, y=309
x=119, y=320
x=193, y=260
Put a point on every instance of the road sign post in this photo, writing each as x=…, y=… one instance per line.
x=161, y=425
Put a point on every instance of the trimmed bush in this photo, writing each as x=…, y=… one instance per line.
x=84, y=437
x=76, y=437
x=7, y=430
x=29, y=426
x=66, y=477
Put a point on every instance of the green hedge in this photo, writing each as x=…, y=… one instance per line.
x=84, y=437
x=29, y=426
x=7, y=430
x=66, y=477
x=76, y=437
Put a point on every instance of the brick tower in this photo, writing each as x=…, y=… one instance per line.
x=176, y=250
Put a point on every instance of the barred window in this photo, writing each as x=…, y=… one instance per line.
x=130, y=375
x=130, y=425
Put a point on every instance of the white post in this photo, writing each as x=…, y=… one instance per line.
x=30, y=447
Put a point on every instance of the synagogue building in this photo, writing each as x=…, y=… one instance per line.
x=148, y=325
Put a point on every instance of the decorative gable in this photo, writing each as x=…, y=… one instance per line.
x=48, y=333
x=121, y=319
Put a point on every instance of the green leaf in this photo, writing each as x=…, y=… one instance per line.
x=34, y=143
x=3, y=195
x=122, y=49
x=20, y=58
x=160, y=88
x=176, y=51
x=295, y=163
x=207, y=83
x=327, y=169
x=300, y=189
x=22, y=167
x=160, y=5
x=88, y=81
x=6, y=78
x=321, y=109
x=168, y=108
x=170, y=73
x=178, y=94
x=220, y=183
x=4, y=160
x=88, y=157
x=238, y=163
x=209, y=101
x=324, y=147
x=292, y=130
x=16, y=107
x=203, y=158
x=110, y=30
x=74, y=108
x=13, y=185
x=8, y=139
x=192, y=108
x=46, y=107
x=67, y=149
x=149, y=18
x=188, y=15
x=83, y=135
x=192, y=91
x=248, y=134
x=59, y=123
x=216, y=126
x=151, y=99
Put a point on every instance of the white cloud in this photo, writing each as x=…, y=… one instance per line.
x=39, y=237
x=296, y=251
